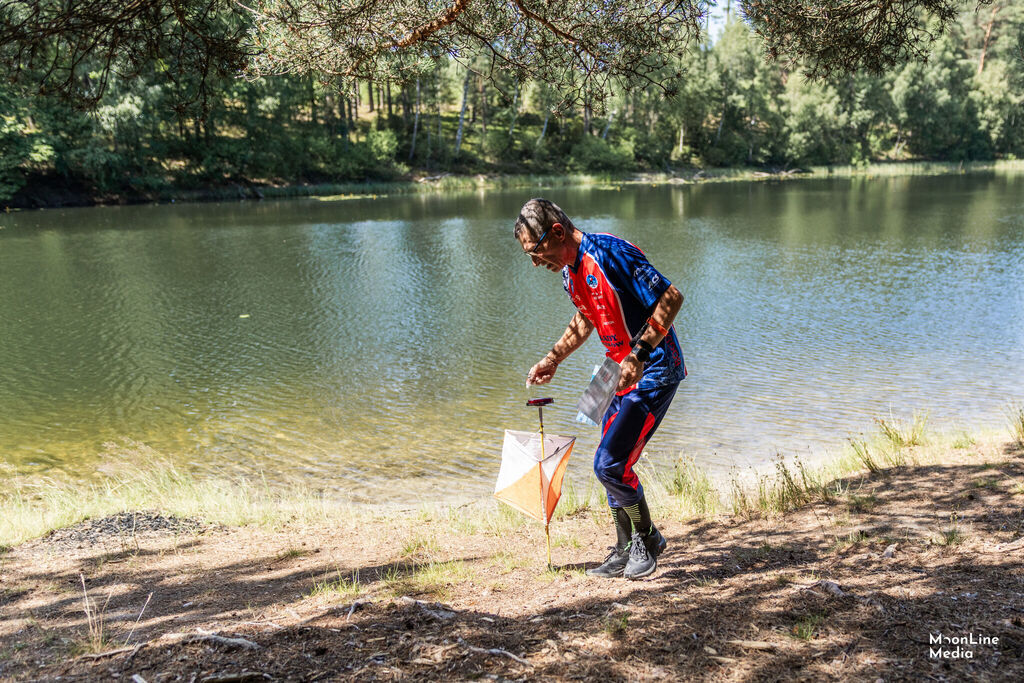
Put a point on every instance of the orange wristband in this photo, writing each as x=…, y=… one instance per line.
x=656, y=327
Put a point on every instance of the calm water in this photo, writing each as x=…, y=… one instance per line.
x=378, y=348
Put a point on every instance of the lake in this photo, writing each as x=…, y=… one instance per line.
x=377, y=348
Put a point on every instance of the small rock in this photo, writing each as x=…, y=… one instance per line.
x=710, y=650
x=889, y=550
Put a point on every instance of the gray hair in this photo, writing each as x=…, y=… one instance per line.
x=538, y=215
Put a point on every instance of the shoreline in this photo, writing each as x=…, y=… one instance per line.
x=808, y=577
x=33, y=505
x=48, y=192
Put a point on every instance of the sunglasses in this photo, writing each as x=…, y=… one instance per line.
x=543, y=236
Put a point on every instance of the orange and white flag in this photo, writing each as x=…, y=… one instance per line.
x=530, y=479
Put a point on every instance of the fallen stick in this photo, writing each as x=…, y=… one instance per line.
x=235, y=677
x=351, y=610
x=752, y=644
x=112, y=653
x=1011, y=545
x=214, y=638
x=494, y=651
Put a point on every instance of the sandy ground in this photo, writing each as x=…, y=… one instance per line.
x=853, y=589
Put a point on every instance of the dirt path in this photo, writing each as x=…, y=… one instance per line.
x=854, y=589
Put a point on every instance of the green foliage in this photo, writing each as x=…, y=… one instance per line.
x=383, y=145
x=162, y=126
x=592, y=154
x=934, y=107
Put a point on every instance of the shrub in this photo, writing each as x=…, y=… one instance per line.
x=594, y=154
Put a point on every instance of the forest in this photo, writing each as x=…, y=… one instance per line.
x=145, y=134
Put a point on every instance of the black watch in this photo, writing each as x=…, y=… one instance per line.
x=642, y=351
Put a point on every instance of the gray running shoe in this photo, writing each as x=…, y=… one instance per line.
x=643, y=554
x=655, y=542
x=613, y=565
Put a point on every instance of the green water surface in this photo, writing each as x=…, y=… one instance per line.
x=378, y=348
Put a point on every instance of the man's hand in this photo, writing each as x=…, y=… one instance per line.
x=542, y=372
x=632, y=369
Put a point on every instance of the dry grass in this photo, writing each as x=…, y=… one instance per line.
x=29, y=508
x=1015, y=418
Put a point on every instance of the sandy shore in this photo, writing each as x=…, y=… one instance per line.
x=854, y=586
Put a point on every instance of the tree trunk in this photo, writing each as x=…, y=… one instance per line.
x=988, y=34
x=369, y=94
x=515, y=112
x=390, y=110
x=586, y=116
x=483, y=105
x=608, y=124
x=343, y=111
x=437, y=98
x=462, y=112
x=682, y=133
x=406, y=106
x=250, y=109
x=312, y=100
x=329, y=114
x=416, y=122
x=543, y=130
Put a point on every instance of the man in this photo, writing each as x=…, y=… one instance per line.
x=632, y=306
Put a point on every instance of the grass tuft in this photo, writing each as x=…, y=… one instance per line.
x=617, y=623
x=98, y=639
x=420, y=545
x=852, y=539
x=693, y=486
x=953, y=535
x=338, y=587
x=863, y=455
x=707, y=581
x=807, y=628
x=290, y=554
x=1015, y=418
x=575, y=502
x=861, y=504
x=509, y=561
x=900, y=435
x=963, y=440
x=433, y=578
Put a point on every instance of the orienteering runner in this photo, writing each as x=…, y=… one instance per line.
x=632, y=306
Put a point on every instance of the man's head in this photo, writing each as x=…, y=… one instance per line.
x=546, y=234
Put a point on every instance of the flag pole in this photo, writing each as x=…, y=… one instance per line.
x=540, y=403
x=543, y=504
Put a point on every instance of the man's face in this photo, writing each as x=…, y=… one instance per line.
x=548, y=249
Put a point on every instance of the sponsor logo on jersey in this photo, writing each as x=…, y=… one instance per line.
x=591, y=281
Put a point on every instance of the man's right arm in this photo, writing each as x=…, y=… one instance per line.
x=575, y=334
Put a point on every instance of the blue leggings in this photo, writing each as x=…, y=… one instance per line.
x=628, y=425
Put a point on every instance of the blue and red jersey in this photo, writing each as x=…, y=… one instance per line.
x=616, y=288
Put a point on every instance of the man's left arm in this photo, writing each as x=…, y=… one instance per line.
x=664, y=314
